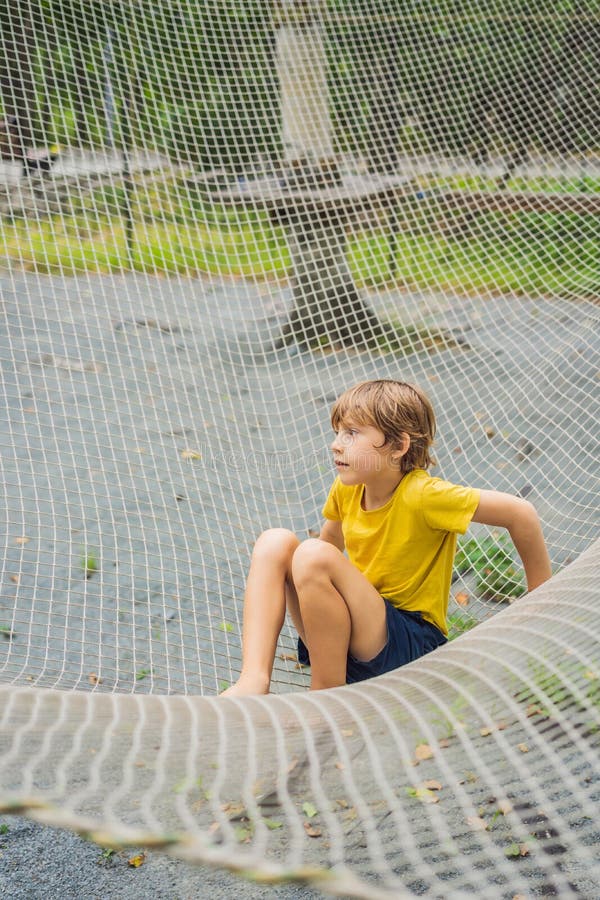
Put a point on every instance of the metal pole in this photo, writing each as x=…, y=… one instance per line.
x=128, y=185
x=109, y=94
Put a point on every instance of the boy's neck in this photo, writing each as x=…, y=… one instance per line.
x=377, y=494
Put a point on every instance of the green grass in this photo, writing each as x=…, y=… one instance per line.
x=541, y=184
x=459, y=623
x=490, y=559
x=52, y=247
x=89, y=563
x=178, y=231
x=566, y=683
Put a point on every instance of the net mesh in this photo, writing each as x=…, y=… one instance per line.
x=213, y=219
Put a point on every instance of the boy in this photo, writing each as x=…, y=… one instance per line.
x=385, y=603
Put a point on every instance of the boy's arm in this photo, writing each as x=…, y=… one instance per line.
x=332, y=533
x=522, y=523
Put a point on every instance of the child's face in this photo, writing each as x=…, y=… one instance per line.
x=360, y=456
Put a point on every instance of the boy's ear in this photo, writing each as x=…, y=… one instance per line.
x=402, y=447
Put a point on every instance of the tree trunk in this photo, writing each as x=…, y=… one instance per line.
x=301, y=67
x=18, y=45
x=328, y=308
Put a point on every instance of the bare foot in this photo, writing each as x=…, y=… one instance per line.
x=247, y=686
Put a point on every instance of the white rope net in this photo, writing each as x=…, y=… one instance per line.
x=213, y=219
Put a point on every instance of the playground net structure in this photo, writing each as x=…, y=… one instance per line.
x=213, y=218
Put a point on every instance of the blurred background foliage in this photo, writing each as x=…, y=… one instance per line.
x=198, y=82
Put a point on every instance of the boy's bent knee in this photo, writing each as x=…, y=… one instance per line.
x=312, y=559
x=276, y=543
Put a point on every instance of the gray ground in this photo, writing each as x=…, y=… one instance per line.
x=38, y=863
x=107, y=381
x=145, y=429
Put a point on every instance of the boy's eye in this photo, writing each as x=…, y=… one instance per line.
x=346, y=433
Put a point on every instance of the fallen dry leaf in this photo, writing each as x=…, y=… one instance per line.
x=432, y=785
x=136, y=861
x=93, y=678
x=487, y=730
x=22, y=540
x=190, y=454
x=523, y=748
x=462, y=598
x=422, y=752
x=424, y=795
x=477, y=823
x=312, y=830
x=233, y=809
x=243, y=834
x=14, y=579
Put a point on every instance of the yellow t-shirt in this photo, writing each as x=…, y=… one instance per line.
x=406, y=548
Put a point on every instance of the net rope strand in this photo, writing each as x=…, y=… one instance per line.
x=213, y=220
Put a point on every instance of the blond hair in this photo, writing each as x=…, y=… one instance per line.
x=395, y=408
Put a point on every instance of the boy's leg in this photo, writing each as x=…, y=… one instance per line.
x=340, y=611
x=264, y=609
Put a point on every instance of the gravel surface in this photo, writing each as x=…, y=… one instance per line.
x=38, y=863
x=108, y=382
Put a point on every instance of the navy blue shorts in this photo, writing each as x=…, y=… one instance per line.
x=409, y=637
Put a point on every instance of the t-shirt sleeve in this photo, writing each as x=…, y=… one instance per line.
x=332, y=509
x=449, y=507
